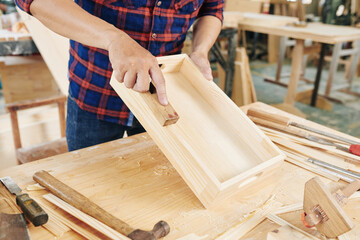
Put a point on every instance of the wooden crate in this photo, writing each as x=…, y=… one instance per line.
x=216, y=149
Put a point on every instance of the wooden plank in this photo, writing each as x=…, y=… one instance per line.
x=132, y=179
x=317, y=32
x=250, y=221
x=111, y=233
x=75, y=227
x=333, y=67
x=243, y=88
x=295, y=72
x=242, y=6
x=282, y=222
x=286, y=232
x=216, y=168
x=56, y=56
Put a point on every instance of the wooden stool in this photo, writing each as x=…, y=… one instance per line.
x=27, y=83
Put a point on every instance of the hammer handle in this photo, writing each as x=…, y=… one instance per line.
x=272, y=117
x=81, y=202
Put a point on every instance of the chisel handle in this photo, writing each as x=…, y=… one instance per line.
x=287, y=129
x=81, y=202
x=31, y=209
x=272, y=117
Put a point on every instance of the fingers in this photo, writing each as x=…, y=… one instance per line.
x=119, y=75
x=203, y=64
x=142, y=82
x=206, y=71
x=159, y=82
x=130, y=78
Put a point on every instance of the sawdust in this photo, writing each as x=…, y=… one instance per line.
x=164, y=170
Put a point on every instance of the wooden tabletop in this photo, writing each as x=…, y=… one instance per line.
x=319, y=32
x=233, y=18
x=133, y=180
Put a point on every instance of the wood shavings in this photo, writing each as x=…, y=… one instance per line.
x=34, y=187
x=289, y=208
x=164, y=170
x=250, y=220
x=282, y=222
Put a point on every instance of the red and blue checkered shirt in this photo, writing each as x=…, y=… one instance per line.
x=158, y=26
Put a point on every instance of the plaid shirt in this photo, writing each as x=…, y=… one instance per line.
x=159, y=26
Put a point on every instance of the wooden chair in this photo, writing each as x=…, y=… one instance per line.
x=27, y=83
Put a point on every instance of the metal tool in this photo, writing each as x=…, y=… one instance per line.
x=31, y=209
x=304, y=134
x=76, y=199
x=13, y=226
x=335, y=168
x=259, y=113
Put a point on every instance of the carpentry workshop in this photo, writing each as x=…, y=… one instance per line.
x=180, y=120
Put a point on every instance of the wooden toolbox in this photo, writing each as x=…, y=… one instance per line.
x=216, y=149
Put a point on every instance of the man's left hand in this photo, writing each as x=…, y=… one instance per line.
x=202, y=62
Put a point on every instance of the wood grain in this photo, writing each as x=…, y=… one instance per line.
x=132, y=179
x=111, y=233
x=316, y=193
x=214, y=146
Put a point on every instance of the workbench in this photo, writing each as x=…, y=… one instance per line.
x=317, y=32
x=132, y=179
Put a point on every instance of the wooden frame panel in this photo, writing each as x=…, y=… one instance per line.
x=216, y=149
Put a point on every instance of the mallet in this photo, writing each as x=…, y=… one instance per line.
x=76, y=199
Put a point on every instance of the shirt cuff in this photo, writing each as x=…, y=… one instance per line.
x=24, y=5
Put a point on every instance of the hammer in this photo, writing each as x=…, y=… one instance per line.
x=76, y=199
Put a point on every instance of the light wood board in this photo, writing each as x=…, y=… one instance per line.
x=215, y=147
x=132, y=179
x=53, y=48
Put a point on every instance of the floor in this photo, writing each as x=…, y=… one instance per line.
x=344, y=117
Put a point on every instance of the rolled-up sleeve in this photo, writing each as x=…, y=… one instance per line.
x=213, y=8
x=24, y=5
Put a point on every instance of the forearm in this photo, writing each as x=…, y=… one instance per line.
x=68, y=19
x=206, y=31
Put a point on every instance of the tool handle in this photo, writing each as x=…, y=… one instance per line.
x=166, y=115
x=81, y=202
x=326, y=134
x=351, y=188
x=272, y=117
x=32, y=210
x=287, y=129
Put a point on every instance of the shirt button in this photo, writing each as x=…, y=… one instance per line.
x=159, y=3
x=154, y=35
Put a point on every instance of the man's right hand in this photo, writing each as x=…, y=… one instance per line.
x=132, y=65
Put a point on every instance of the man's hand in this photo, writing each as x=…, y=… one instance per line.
x=206, y=30
x=202, y=62
x=132, y=65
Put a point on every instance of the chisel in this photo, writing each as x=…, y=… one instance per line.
x=303, y=134
x=31, y=209
x=334, y=168
x=256, y=112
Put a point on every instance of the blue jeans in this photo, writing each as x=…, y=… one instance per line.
x=83, y=129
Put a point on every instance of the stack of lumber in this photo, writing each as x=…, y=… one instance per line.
x=243, y=90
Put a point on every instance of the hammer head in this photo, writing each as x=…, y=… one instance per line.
x=161, y=229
